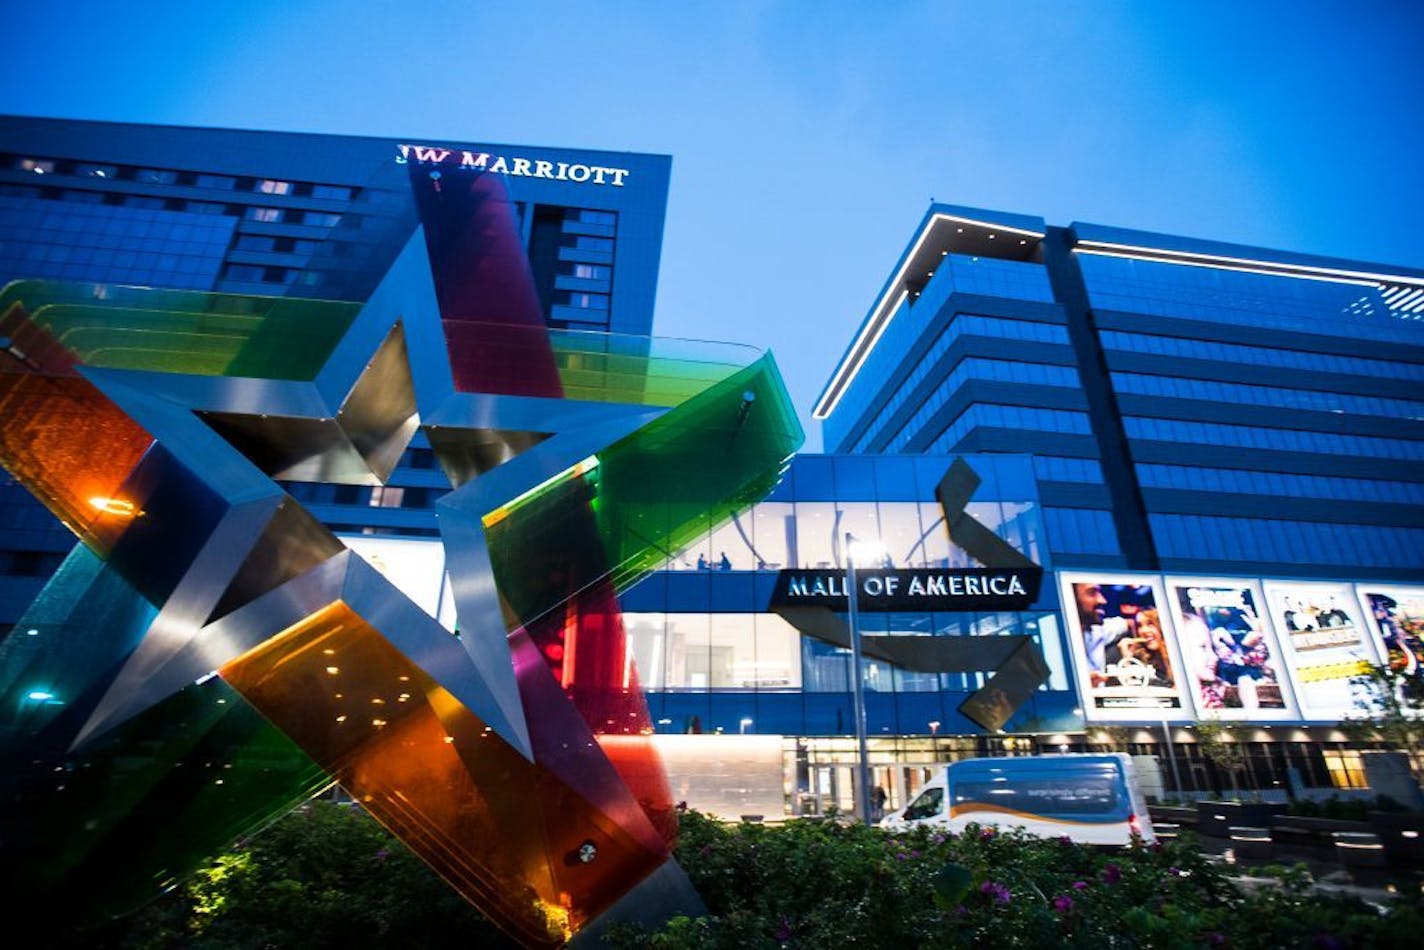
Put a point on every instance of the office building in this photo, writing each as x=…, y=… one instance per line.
x=300, y=215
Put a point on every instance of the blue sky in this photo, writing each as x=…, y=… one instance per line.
x=809, y=137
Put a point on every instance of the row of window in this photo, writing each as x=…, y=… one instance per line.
x=386, y=496
x=1287, y=542
x=901, y=337
x=987, y=276
x=967, y=370
x=1184, y=388
x=809, y=534
x=964, y=324
x=1211, y=435
x=990, y=415
x=263, y=215
x=1260, y=355
x=1238, y=297
x=169, y=176
x=1278, y=483
x=761, y=651
x=1057, y=468
x=1081, y=531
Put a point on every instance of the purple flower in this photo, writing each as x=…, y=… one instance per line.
x=1065, y=841
x=901, y=856
x=1216, y=939
x=1080, y=885
x=784, y=930
x=986, y=834
x=382, y=854
x=996, y=892
x=1174, y=871
x=1063, y=904
x=1112, y=874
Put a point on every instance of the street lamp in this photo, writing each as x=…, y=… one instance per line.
x=868, y=549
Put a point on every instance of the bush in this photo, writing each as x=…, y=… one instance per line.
x=824, y=884
x=323, y=876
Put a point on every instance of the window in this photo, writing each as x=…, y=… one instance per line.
x=265, y=215
x=40, y=166
x=334, y=192
x=270, y=186
x=83, y=197
x=143, y=201
x=246, y=272
x=216, y=181
x=155, y=176
x=387, y=496
x=1345, y=768
x=587, y=216
x=256, y=242
x=590, y=272
x=929, y=803
x=97, y=171
x=321, y=219
x=204, y=207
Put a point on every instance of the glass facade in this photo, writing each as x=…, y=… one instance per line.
x=716, y=658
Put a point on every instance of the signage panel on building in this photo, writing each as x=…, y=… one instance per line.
x=1232, y=664
x=1325, y=644
x=905, y=589
x=1396, y=615
x=1128, y=665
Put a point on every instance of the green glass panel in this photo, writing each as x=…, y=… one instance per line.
x=205, y=334
x=103, y=828
x=603, y=367
x=647, y=495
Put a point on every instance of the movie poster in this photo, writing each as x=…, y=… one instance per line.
x=1127, y=666
x=1231, y=663
x=1397, y=616
x=1324, y=643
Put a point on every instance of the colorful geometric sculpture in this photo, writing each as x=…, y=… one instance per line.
x=212, y=655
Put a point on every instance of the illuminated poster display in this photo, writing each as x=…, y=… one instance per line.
x=1231, y=662
x=1324, y=643
x=1396, y=614
x=1128, y=668
x=415, y=566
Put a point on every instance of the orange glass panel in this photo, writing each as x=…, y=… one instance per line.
x=506, y=833
x=73, y=449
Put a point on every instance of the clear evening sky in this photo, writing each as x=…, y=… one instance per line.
x=809, y=137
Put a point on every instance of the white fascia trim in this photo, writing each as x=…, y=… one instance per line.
x=881, y=313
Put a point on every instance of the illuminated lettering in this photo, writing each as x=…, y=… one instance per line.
x=1015, y=587
x=618, y=175
x=563, y=171
x=796, y=587
x=543, y=169
x=819, y=587
x=578, y=173
x=971, y=586
x=874, y=586
x=500, y=166
x=956, y=586
x=474, y=160
x=917, y=586
x=513, y=166
x=521, y=166
x=997, y=585
x=892, y=584
x=424, y=153
x=936, y=585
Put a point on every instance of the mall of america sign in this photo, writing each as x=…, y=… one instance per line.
x=893, y=589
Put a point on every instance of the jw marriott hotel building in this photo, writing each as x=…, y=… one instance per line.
x=1213, y=454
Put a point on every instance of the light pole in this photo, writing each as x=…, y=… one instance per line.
x=862, y=758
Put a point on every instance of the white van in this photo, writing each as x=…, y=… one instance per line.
x=1092, y=799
